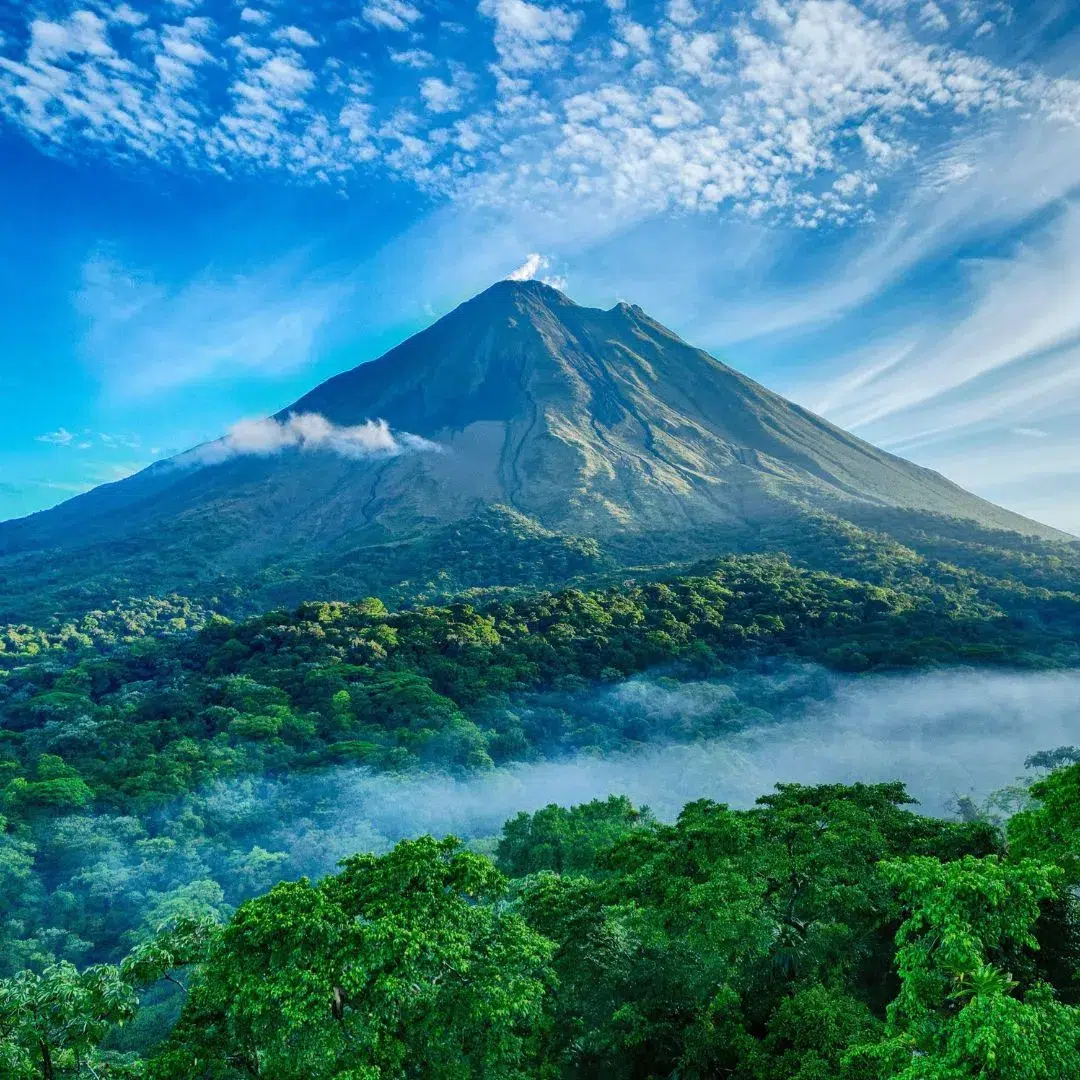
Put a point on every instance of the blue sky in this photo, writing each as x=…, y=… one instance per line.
x=870, y=206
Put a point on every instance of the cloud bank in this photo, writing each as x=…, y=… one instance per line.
x=797, y=108
x=944, y=734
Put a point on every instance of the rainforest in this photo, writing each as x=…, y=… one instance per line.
x=229, y=842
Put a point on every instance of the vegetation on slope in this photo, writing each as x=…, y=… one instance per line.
x=439, y=684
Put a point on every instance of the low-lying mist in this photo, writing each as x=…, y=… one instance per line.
x=943, y=734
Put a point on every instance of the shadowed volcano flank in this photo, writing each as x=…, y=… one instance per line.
x=470, y=366
x=583, y=421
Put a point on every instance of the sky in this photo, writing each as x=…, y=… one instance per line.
x=872, y=206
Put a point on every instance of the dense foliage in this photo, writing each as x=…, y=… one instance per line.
x=332, y=682
x=828, y=933
x=117, y=727
x=500, y=550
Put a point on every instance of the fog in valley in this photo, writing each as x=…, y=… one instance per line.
x=944, y=734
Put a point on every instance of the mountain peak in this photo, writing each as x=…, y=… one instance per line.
x=523, y=290
x=591, y=422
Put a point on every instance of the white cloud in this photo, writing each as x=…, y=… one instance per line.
x=82, y=34
x=931, y=16
x=533, y=264
x=439, y=96
x=682, y=12
x=533, y=268
x=698, y=55
x=673, y=109
x=771, y=116
x=307, y=431
x=634, y=37
x=765, y=109
x=161, y=98
x=128, y=442
x=60, y=437
x=877, y=149
x=126, y=15
x=530, y=37
x=414, y=58
x=295, y=35
x=396, y=15
x=183, y=50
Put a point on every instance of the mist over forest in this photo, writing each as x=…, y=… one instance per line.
x=943, y=734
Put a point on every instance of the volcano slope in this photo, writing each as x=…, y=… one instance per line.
x=521, y=439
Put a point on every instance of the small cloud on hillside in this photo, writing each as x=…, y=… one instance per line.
x=309, y=431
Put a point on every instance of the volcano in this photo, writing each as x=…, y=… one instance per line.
x=519, y=407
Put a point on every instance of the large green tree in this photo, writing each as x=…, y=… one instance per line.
x=52, y=1024
x=400, y=966
x=960, y=1013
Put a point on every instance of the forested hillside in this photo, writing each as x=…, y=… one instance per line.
x=135, y=723
x=829, y=933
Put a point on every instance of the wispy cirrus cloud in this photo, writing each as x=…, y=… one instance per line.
x=60, y=437
x=84, y=439
x=987, y=389
x=988, y=183
x=1016, y=348
x=145, y=337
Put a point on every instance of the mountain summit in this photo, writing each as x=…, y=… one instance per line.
x=566, y=419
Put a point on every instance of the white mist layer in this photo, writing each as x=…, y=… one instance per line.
x=942, y=734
